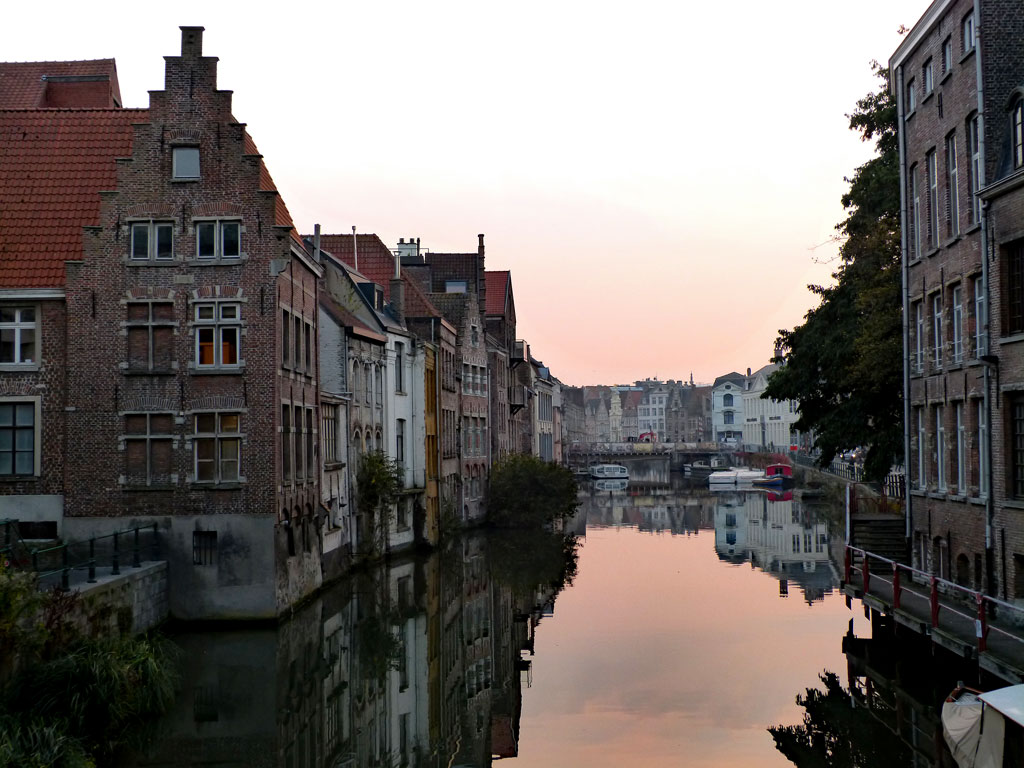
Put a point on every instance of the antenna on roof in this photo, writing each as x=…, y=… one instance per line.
x=355, y=247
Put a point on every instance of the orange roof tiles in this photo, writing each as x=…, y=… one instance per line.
x=496, y=285
x=52, y=165
x=26, y=84
x=282, y=217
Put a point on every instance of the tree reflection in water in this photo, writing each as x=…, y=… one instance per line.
x=418, y=662
x=835, y=734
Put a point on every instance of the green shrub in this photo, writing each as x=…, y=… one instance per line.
x=528, y=492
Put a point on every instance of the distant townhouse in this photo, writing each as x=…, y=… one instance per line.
x=958, y=80
x=768, y=424
x=727, y=408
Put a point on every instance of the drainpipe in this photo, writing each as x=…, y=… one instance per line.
x=905, y=280
x=989, y=503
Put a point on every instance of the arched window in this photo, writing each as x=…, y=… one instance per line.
x=357, y=442
x=1017, y=132
x=727, y=401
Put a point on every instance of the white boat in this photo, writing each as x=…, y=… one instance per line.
x=980, y=727
x=602, y=471
x=734, y=476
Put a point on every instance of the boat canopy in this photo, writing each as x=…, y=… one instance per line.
x=1009, y=701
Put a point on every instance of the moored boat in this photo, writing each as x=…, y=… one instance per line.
x=735, y=476
x=776, y=476
x=602, y=471
x=611, y=484
x=985, y=730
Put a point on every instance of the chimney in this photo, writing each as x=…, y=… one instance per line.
x=355, y=248
x=481, y=280
x=398, y=292
x=748, y=373
x=480, y=247
x=191, y=42
x=316, y=243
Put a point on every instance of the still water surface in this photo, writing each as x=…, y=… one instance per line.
x=671, y=627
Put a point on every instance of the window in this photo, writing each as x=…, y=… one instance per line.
x=940, y=449
x=368, y=383
x=185, y=162
x=310, y=444
x=286, y=441
x=922, y=445
x=937, y=329
x=979, y=317
x=933, y=200
x=204, y=547
x=974, y=179
x=286, y=336
x=475, y=335
x=926, y=77
x=918, y=361
x=329, y=432
x=379, y=378
x=961, y=450
x=399, y=367
x=952, y=190
x=300, y=467
x=455, y=286
x=217, y=447
x=1017, y=446
x=914, y=235
x=947, y=55
x=958, y=321
x=911, y=96
x=218, y=331
x=297, y=341
x=152, y=240
x=1015, y=288
x=967, y=37
x=18, y=437
x=1017, y=133
x=148, y=448
x=727, y=401
x=728, y=417
x=218, y=239
x=307, y=344
x=150, y=328
x=400, y=441
x=18, y=335
x=982, y=450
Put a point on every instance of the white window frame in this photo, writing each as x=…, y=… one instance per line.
x=922, y=446
x=982, y=446
x=961, y=450
x=152, y=228
x=219, y=322
x=919, y=337
x=928, y=78
x=953, y=186
x=933, y=199
x=911, y=96
x=915, y=219
x=37, y=437
x=958, y=319
x=947, y=55
x=1017, y=133
x=937, y=329
x=940, y=450
x=220, y=226
x=974, y=150
x=177, y=161
x=968, y=37
x=221, y=437
x=980, y=311
x=18, y=325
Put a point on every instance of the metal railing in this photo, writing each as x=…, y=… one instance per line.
x=984, y=605
x=125, y=543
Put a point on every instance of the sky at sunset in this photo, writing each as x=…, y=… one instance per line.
x=662, y=179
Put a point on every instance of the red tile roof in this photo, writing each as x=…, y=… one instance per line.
x=496, y=284
x=282, y=217
x=377, y=263
x=52, y=165
x=41, y=84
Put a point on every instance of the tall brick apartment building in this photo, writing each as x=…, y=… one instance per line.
x=162, y=318
x=959, y=82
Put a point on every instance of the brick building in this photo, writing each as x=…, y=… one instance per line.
x=958, y=79
x=169, y=279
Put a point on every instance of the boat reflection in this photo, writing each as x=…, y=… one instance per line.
x=420, y=662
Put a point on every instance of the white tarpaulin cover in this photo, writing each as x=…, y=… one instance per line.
x=974, y=732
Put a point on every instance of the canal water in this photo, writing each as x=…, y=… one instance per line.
x=667, y=626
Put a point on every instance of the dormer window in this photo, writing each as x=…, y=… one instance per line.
x=454, y=286
x=185, y=163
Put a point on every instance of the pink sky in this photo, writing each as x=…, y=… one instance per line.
x=655, y=176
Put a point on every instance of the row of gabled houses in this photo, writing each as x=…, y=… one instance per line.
x=731, y=412
x=174, y=350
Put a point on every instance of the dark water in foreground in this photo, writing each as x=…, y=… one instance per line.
x=681, y=628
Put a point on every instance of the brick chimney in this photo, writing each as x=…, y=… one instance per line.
x=398, y=292
x=481, y=279
x=191, y=42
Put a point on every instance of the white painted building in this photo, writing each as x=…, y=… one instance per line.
x=767, y=424
x=651, y=412
x=727, y=408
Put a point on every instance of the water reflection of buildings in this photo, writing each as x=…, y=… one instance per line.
x=780, y=536
x=419, y=663
x=654, y=509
